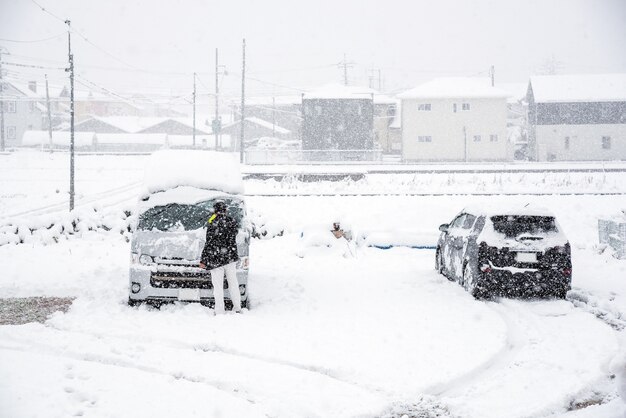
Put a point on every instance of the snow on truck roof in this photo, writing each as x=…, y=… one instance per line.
x=455, y=87
x=206, y=170
x=579, y=88
x=514, y=210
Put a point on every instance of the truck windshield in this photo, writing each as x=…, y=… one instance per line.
x=515, y=225
x=185, y=217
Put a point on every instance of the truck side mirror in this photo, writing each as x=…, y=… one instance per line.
x=443, y=227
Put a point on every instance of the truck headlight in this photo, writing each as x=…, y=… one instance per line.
x=146, y=259
x=135, y=287
x=134, y=258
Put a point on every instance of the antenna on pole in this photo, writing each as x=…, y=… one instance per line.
x=71, y=71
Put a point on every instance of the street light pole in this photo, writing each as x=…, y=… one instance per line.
x=71, y=71
x=243, y=103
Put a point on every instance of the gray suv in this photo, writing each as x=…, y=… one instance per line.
x=505, y=252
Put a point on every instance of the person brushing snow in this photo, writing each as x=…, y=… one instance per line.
x=220, y=256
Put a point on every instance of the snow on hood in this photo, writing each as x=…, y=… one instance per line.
x=209, y=170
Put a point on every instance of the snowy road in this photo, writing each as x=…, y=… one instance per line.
x=327, y=336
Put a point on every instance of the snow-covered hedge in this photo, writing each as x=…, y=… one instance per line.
x=50, y=229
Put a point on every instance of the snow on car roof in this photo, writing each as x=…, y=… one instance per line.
x=209, y=170
x=184, y=195
x=503, y=209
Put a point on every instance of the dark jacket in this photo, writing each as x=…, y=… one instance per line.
x=221, y=241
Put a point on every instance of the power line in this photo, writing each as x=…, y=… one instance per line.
x=32, y=41
x=34, y=66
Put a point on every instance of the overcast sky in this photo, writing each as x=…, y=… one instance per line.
x=298, y=44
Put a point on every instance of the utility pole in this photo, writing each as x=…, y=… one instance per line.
x=345, y=64
x=49, y=113
x=492, y=73
x=194, y=110
x=273, y=116
x=465, y=143
x=243, y=101
x=2, y=145
x=380, y=84
x=216, y=123
x=71, y=71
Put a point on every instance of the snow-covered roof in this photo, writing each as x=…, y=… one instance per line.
x=340, y=91
x=130, y=124
x=62, y=138
x=136, y=139
x=273, y=100
x=579, y=88
x=24, y=89
x=494, y=209
x=263, y=123
x=455, y=87
x=209, y=170
x=517, y=91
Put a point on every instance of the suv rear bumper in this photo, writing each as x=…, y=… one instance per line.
x=528, y=283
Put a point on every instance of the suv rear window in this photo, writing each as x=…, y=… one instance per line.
x=514, y=225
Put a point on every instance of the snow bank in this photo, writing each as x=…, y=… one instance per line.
x=202, y=169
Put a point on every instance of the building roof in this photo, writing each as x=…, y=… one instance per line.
x=579, y=88
x=455, y=87
x=263, y=123
x=517, y=91
x=339, y=91
x=130, y=124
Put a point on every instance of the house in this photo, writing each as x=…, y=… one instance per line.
x=338, y=117
x=385, y=136
x=577, y=117
x=283, y=111
x=255, y=128
x=455, y=119
x=23, y=110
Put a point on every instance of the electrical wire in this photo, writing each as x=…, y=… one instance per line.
x=32, y=41
x=41, y=67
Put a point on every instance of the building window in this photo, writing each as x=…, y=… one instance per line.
x=465, y=106
x=606, y=142
x=11, y=107
x=477, y=138
x=493, y=138
x=425, y=138
x=454, y=107
x=10, y=132
x=566, y=142
x=424, y=107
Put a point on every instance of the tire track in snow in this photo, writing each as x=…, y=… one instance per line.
x=28, y=345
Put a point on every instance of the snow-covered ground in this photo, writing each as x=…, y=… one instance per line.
x=377, y=334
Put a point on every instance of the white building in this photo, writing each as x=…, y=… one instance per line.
x=577, y=117
x=455, y=119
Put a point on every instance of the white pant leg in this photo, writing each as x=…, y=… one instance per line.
x=233, y=285
x=217, y=279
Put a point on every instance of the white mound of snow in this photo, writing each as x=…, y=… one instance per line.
x=209, y=170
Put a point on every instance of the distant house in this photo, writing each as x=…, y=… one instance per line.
x=338, y=118
x=23, y=110
x=385, y=136
x=282, y=111
x=255, y=128
x=577, y=117
x=455, y=119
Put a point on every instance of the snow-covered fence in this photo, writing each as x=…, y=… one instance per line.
x=290, y=156
x=613, y=233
